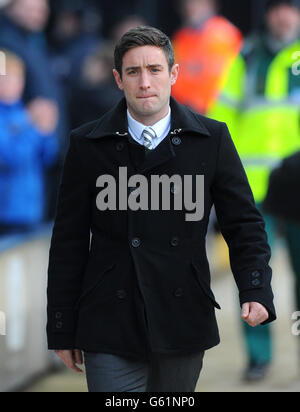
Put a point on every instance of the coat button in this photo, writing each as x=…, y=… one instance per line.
x=256, y=282
x=121, y=294
x=175, y=241
x=178, y=293
x=58, y=315
x=120, y=146
x=176, y=141
x=59, y=325
x=136, y=242
x=255, y=274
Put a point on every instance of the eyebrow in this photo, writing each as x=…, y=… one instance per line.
x=138, y=67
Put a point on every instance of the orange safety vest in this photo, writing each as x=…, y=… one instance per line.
x=204, y=55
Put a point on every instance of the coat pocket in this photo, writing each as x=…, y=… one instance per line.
x=87, y=291
x=198, y=275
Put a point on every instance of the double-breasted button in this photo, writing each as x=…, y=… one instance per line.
x=136, y=242
x=176, y=141
x=120, y=146
x=256, y=282
x=175, y=241
x=178, y=293
x=121, y=294
x=255, y=274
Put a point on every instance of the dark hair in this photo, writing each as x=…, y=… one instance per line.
x=275, y=3
x=143, y=36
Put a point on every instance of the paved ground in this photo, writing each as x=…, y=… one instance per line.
x=224, y=364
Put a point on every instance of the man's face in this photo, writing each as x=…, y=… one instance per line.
x=31, y=14
x=146, y=82
x=283, y=22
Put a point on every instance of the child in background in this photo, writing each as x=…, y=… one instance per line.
x=27, y=146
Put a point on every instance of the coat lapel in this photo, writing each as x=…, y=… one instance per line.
x=115, y=124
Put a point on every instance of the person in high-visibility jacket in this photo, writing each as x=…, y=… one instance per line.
x=205, y=47
x=261, y=105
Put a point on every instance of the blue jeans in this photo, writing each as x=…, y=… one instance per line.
x=163, y=373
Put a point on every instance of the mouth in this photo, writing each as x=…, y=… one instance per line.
x=146, y=97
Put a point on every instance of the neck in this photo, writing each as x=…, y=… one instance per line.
x=149, y=120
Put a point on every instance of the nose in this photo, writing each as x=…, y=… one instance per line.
x=144, y=81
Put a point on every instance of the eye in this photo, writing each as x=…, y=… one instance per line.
x=131, y=72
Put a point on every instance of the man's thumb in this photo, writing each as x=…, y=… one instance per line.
x=245, y=310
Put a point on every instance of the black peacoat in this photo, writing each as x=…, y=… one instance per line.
x=131, y=282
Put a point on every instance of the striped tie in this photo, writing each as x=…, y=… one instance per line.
x=148, y=135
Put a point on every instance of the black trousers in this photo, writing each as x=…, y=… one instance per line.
x=162, y=373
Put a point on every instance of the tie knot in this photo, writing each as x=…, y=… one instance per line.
x=149, y=134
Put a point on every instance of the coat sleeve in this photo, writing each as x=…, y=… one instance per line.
x=69, y=251
x=242, y=226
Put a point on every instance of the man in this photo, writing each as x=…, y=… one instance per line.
x=260, y=104
x=137, y=299
x=205, y=47
x=20, y=20
x=21, y=31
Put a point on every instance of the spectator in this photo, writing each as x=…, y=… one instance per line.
x=204, y=48
x=260, y=104
x=19, y=20
x=96, y=92
x=283, y=202
x=21, y=30
x=27, y=145
x=72, y=38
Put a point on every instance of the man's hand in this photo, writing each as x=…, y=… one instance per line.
x=254, y=313
x=70, y=358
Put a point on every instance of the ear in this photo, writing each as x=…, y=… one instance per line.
x=118, y=79
x=174, y=74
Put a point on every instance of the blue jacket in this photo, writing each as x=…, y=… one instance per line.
x=40, y=79
x=24, y=153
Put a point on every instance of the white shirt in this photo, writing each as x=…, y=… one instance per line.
x=161, y=129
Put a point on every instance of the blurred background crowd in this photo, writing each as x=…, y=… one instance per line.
x=239, y=63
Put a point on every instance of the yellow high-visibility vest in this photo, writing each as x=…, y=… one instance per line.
x=267, y=128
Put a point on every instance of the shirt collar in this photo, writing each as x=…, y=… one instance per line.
x=160, y=127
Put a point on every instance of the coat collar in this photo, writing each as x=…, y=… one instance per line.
x=114, y=123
